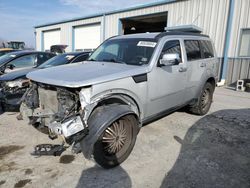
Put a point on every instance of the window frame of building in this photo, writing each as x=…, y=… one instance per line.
x=240, y=43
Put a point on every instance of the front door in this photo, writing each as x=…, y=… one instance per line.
x=167, y=84
x=24, y=62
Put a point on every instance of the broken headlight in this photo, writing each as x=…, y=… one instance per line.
x=17, y=83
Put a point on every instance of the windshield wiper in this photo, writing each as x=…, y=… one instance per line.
x=91, y=60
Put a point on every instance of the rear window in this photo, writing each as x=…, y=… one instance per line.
x=193, y=50
x=207, y=48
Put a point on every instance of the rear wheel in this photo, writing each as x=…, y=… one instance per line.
x=205, y=100
x=116, y=142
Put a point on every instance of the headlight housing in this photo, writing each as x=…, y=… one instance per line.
x=17, y=83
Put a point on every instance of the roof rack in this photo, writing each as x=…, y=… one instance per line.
x=190, y=30
x=184, y=28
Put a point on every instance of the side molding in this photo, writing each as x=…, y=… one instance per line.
x=140, y=78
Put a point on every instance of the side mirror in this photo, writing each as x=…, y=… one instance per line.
x=10, y=66
x=170, y=59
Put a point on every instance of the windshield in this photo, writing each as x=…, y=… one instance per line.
x=57, y=60
x=128, y=51
x=6, y=57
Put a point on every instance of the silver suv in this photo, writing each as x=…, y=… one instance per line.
x=100, y=104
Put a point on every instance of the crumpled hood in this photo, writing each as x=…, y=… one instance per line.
x=85, y=73
x=16, y=74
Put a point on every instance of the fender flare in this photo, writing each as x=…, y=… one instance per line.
x=204, y=81
x=98, y=121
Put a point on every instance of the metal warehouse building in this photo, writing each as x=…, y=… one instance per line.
x=227, y=22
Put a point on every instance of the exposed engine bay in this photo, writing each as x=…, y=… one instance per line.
x=55, y=111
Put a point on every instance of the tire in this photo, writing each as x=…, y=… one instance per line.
x=204, y=101
x=1, y=108
x=116, y=142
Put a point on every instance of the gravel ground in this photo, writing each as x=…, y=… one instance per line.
x=179, y=150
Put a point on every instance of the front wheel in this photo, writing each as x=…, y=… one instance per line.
x=204, y=101
x=116, y=142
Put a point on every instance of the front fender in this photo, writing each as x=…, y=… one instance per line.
x=99, y=120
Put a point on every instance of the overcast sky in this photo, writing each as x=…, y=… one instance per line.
x=18, y=17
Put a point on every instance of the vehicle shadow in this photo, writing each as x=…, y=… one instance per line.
x=99, y=177
x=214, y=153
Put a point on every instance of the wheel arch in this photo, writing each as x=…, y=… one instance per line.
x=99, y=120
x=121, y=99
x=118, y=96
x=211, y=80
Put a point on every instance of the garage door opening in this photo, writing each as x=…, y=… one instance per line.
x=142, y=24
x=86, y=37
x=51, y=37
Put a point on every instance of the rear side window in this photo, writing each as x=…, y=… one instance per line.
x=193, y=50
x=207, y=48
x=43, y=57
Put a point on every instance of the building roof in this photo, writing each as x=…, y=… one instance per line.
x=110, y=12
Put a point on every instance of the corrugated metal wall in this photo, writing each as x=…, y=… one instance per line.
x=238, y=68
x=211, y=15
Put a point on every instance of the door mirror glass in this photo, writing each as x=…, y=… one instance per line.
x=170, y=59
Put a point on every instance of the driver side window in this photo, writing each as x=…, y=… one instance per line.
x=171, y=47
x=112, y=49
x=24, y=61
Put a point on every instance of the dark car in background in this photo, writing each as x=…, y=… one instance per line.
x=22, y=59
x=14, y=84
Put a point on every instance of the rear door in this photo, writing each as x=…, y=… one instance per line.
x=196, y=67
x=167, y=83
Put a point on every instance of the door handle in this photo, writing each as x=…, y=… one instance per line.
x=203, y=65
x=182, y=69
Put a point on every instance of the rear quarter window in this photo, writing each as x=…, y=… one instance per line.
x=207, y=49
x=193, y=50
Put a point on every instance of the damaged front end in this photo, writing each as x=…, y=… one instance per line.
x=55, y=111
